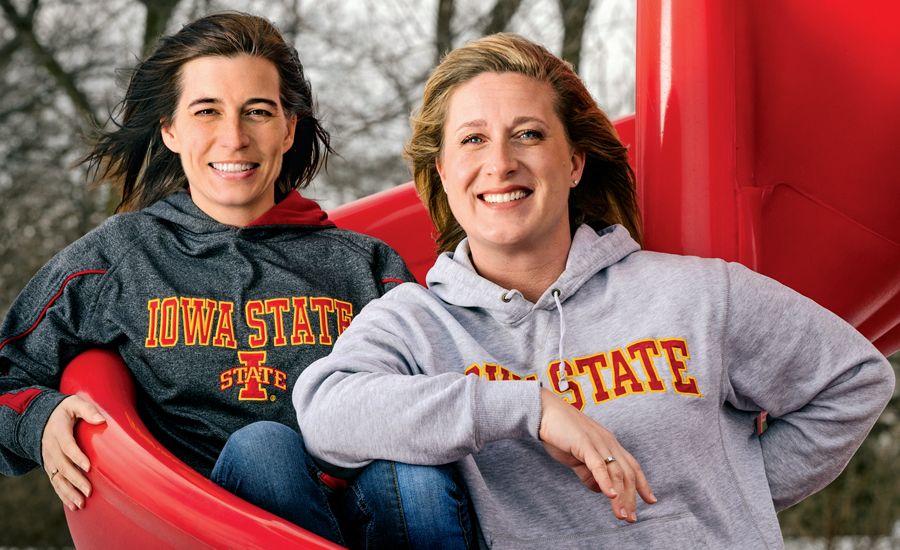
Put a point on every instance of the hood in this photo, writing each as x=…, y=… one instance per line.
x=454, y=279
x=293, y=210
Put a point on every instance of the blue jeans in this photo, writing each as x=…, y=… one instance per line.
x=387, y=505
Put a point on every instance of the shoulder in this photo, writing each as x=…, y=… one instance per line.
x=103, y=246
x=352, y=241
x=672, y=267
x=408, y=300
x=693, y=277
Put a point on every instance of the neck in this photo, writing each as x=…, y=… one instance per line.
x=529, y=272
x=236, y=217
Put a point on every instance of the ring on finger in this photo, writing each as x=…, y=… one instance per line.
x=609, y=460
x=53, y=473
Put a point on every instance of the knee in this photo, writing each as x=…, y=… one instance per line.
x=263, y=438
x=259, y=454
x=424, y=481
x=435, y=506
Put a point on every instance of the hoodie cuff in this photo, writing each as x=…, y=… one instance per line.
x=30, y=428
x=507, y=409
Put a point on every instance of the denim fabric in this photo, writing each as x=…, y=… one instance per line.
x=387, y=505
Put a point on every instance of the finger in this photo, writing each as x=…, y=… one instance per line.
x=594, y=462
x=628, y=500
x=623, y=506
x=87, y=411
x=76, y=478
x=71, y=497
x=72, y=451
x=640, y=480
x=586, y=477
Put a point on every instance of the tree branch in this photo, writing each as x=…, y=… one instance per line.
x=7, y=50
x=24, y=27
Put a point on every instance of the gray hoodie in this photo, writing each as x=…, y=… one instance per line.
x=675, y=355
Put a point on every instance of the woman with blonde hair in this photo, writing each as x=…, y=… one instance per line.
x=547, y=343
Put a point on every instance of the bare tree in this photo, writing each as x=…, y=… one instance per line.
x=443, y=39
x=159, y=12
x=500, y=16
x=23, y=23
x=574, y=16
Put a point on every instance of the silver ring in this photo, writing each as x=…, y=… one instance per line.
x=609, y=460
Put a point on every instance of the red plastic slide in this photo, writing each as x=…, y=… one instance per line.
x=765, y=132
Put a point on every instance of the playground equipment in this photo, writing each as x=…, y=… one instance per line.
x=765, y=132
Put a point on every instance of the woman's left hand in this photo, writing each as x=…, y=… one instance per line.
x=64, y=461
x=594, y=454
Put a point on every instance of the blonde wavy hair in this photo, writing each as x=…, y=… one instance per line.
x=606, y=194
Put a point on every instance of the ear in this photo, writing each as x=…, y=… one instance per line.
x=439, y=165
x=577, y=159
x=289, y=137
x=169, y=137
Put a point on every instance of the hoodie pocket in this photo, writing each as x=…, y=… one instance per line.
x=665, y=533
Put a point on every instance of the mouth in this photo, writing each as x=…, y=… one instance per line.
x=233, y=167
x=500, y=198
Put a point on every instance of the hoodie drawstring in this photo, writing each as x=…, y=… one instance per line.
x=563, y=377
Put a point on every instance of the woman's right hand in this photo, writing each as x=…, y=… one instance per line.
x=64, y=461
x=582, y=444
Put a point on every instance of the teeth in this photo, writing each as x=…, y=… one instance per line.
x=231, y=166
x=505, y=197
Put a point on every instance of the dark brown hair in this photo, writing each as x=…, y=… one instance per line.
x=133, y=154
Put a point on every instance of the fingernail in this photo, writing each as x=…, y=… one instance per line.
x=623, y=513
x=633, y=516
x=86, y=491
x=71, y=507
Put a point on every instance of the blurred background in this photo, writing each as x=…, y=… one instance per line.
x=63, y=65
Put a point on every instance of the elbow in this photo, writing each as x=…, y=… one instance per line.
x=315, y=420
x=885, y=383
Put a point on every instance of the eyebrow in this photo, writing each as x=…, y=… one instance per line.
x=251, y=101
x=480, y=122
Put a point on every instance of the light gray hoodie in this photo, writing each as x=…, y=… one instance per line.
x=675, y=355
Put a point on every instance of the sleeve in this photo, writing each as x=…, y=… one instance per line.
x=389, y=268
x=371, y=399
x=822, y=383
x=47, y=325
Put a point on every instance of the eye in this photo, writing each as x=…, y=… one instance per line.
x=531, y=135
x=259, y=113
x=205, y=112
x=475, y=139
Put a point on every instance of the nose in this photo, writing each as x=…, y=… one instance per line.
x=501, y=160
x=233, y=134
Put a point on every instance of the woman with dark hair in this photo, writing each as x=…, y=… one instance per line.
x=217, y=283
x=545, y=330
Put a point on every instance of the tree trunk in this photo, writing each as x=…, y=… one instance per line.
x=574, y=16
x=443, y=39
x=159, y=12
x=501, y=14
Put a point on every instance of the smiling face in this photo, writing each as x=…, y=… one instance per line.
x=230, y=132
x=507, y=165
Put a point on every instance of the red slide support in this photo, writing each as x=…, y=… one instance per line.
x=765, y=132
